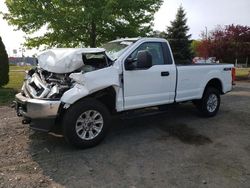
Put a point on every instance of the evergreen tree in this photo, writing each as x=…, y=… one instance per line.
x=179, y=39
x=4, y=65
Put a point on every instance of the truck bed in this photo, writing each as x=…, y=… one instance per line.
x=192, y=78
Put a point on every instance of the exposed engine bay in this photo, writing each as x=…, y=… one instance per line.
x=51, y=78
x=40, y=83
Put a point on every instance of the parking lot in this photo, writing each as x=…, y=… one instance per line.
x=175, y=149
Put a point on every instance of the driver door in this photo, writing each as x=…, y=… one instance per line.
x=149, y=86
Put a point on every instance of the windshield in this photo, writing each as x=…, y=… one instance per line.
x=115, y=49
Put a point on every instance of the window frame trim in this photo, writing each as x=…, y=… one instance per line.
x=164, y=56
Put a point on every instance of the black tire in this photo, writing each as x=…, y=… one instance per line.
x=70, y=119
x=206, y=108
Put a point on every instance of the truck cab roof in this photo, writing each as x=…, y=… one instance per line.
x=154, y=39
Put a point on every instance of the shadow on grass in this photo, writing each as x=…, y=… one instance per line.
x=7, y=95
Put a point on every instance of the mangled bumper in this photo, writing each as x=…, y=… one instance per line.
x=39, y=113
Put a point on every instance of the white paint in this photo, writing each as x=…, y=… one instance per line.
x=64, y=60
x=91, y=82
x=147, y=87
x=192, y=80
x=144, y=88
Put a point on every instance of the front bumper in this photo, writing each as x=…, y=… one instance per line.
x=39, y=112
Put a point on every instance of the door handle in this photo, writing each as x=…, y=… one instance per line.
x=165, y=73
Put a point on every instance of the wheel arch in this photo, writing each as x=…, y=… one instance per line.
x=215, y=83
x=106, y=96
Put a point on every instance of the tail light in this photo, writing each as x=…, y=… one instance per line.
x=233, y=75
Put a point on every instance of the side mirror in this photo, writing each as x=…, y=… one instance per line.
x=144, y=60
x=129, y=64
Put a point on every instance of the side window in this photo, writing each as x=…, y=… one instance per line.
x=154, y=48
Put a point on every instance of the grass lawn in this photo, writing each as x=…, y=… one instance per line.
x=19, y=68
x=16, y=76
x=242, y=73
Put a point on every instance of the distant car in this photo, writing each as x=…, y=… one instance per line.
x=201, y=60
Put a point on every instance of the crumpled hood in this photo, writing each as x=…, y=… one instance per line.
x=64, y=60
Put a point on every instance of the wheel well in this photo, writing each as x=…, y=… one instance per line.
x=215, y=83
x=106, y=96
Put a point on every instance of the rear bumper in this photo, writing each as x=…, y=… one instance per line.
x=41, y=114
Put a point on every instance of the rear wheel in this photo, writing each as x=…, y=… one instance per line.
x=210, y=102
x=85, y=124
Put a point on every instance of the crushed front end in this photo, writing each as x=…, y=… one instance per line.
x=39, y=100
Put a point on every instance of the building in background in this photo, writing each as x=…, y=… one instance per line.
x=22, y=61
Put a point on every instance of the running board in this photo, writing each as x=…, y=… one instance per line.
x=141, y=113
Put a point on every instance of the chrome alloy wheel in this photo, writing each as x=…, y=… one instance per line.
x=89, y=124
x=212, y=103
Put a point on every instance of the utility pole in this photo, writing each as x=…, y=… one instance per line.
x=22, y=50
x=206, y=33
x=206, y=41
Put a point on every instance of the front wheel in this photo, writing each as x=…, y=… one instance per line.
x=210, y=102
x=85, y=123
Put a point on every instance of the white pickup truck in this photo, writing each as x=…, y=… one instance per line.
x=78, y=90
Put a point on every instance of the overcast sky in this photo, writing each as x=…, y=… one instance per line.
x=200, y=14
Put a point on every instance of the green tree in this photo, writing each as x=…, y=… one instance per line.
x=179, y=39
x=158, y=34
x=4, y=65
x=194, y=47
x=87, y=22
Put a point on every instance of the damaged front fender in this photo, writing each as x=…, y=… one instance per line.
x=88, y=83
